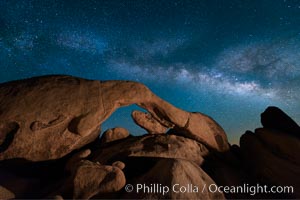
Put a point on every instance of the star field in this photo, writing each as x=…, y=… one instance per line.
x=227, y=59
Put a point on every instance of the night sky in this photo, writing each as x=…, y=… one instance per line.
x=229, y=59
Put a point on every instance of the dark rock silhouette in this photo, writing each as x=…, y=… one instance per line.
x=271, y=154
x=274, y=118
x=49, y=145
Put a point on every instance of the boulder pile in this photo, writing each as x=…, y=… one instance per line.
x=50, y=149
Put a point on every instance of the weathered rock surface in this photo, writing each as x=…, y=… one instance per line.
x=92, y=178
x=162, y=146
x=49, y=145
x=204, y=129
x=146, y=121
x=89, y=179
x=45, y=118
x=114, y=134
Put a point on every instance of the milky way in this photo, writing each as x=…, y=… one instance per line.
x=228, y=59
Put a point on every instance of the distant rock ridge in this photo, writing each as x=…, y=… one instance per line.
x=49, y=145
x=274, y=118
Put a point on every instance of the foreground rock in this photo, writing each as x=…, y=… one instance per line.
x=103, y=172
x=186, y=180
x=48, y=117
x=90, y=179
x=6, y=194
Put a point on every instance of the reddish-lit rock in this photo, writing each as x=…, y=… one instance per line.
x=162, y=146
x=114, y=134
x=91, y=179
x=146, y=121
x=46, y=118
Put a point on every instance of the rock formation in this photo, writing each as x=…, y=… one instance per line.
x=147, y=122
x=164, y=146
x=274, y=118
x=49, y=145
x=48, y=117
x=178, y=183
x=91, y=178
x=271, y=154
x=114, y=134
